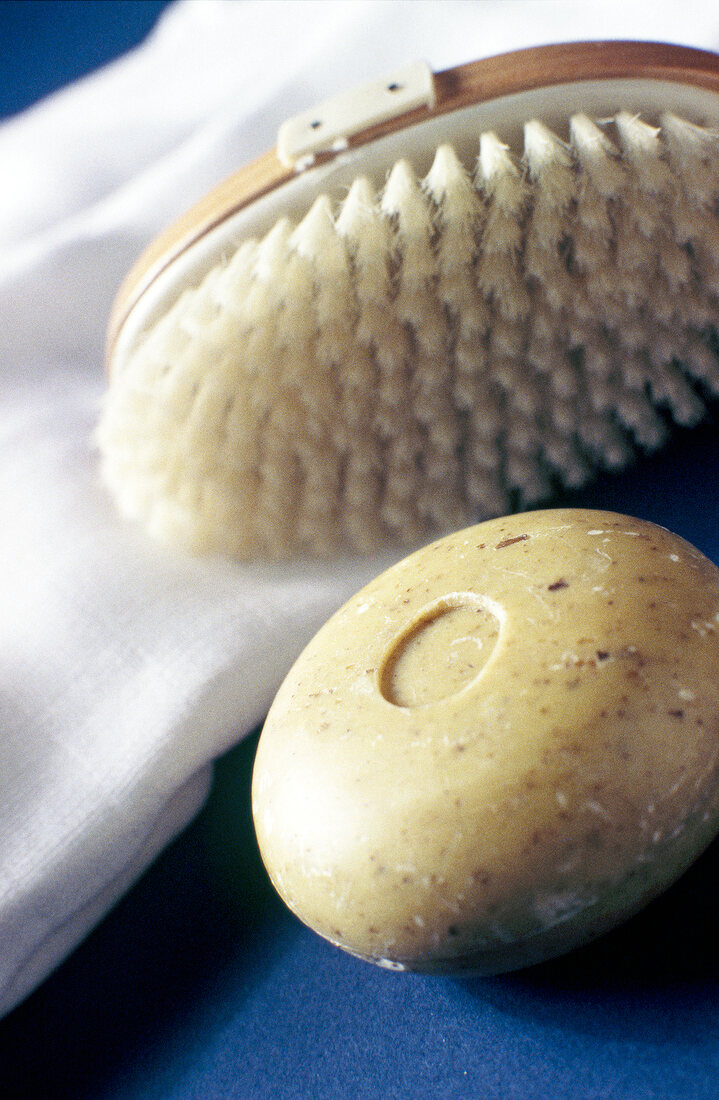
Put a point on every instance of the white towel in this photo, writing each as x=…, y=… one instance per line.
x=125, y=669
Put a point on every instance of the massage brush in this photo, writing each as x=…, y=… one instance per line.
x=439, y=299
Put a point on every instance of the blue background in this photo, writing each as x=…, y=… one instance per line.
x=47, y=43
x=200, y=984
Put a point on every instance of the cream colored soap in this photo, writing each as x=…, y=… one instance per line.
x=501, y=747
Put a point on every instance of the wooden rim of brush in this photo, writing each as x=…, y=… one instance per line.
x=462, y=86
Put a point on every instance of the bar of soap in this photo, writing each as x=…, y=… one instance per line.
x=501, y=747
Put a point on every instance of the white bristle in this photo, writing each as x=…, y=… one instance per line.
x=459, y=207
x=597, y=156
x=502, y=180
x=368, y=237
x=550, y=165
x=438, y=352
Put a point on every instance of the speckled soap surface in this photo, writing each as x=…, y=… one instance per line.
x=501, y=747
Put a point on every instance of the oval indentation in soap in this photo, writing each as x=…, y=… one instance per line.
x=441, y=652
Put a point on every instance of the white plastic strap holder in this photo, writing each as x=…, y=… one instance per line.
x=329, y=126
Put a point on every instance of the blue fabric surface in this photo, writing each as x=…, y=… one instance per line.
x=201, y=985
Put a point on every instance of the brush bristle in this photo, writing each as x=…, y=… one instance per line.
x=450, y=349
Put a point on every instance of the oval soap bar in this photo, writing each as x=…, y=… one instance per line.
x=500, y=748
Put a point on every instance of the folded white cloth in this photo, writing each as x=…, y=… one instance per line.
x=125, y=669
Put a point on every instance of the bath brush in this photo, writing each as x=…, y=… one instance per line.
x=438, y=299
